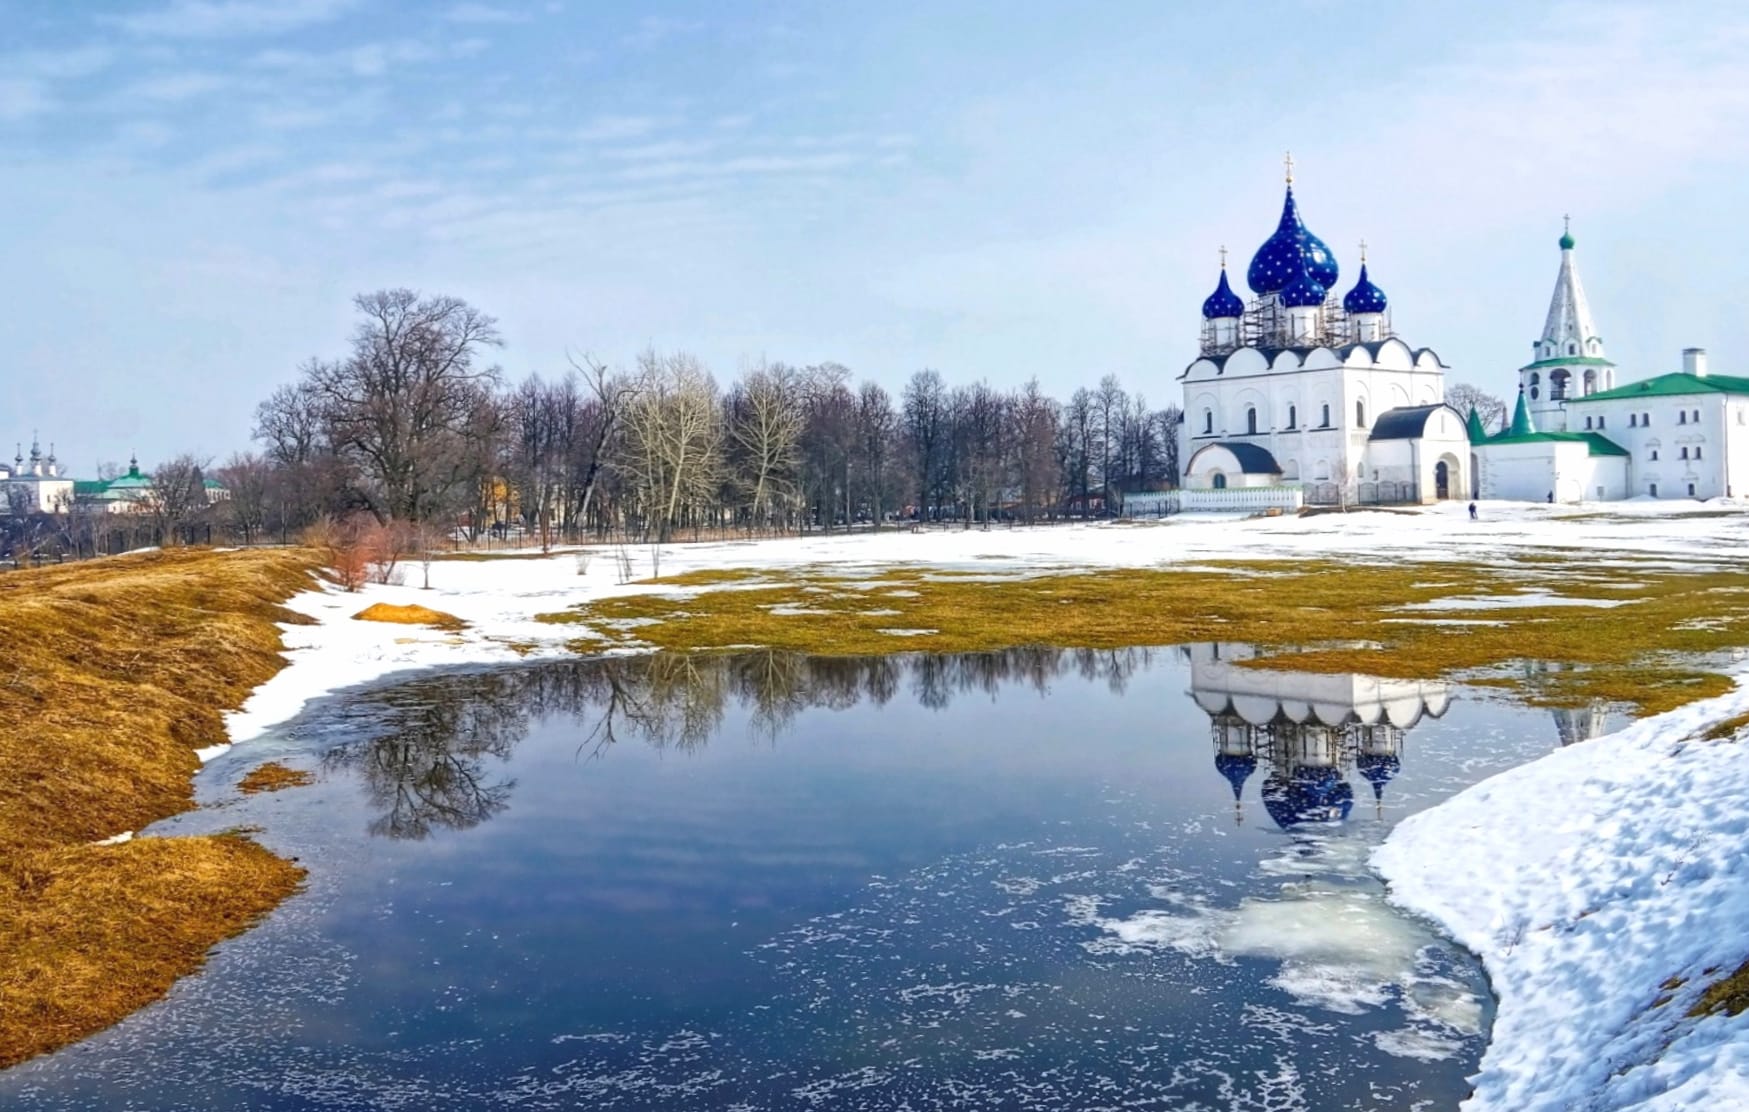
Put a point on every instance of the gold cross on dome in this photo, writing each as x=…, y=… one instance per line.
x=1223, y=256
x=1567, y=224
x=1363, y=250
x=1288, y=161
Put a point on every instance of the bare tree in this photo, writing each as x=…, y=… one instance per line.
x=248, y=477
x=767, y=429
x=176, y=498
x=400, y=401
x=876, y=426
x=1463, y=397
x=926, y=429
x=673, y=439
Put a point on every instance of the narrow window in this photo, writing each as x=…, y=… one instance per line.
x=1208, y=421
x=1697, y=416
x=1691, y=490
x=1293, y=417
x=1587, y=422
x=1683, y=454
x=1251, y=421
x=1645, y=420
x=1682, y=416
x=1654, y=490
x=1326, y=415
x=1633, y=420
x=1697, y=452
x=1360, y=415
x=1654, y=459
x=1600, y=420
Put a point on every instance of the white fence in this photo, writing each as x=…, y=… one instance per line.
x=1255, y=500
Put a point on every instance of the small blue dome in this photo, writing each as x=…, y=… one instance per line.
x=1291, y=249
x=1364, y=297
x=1303, y=292
x=1378, y=769
x=1223, y=302
x=1237, y=768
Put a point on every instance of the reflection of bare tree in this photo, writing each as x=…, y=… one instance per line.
x=429, y=765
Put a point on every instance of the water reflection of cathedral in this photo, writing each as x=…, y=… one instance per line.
x=1308, y=731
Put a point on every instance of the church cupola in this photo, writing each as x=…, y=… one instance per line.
x=1290, y=250
x=1221, y=312
x=1365, y=305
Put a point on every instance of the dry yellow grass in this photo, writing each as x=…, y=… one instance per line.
x=273, y=777
x=409, y=615
x=115, y=671
x=1352, y=617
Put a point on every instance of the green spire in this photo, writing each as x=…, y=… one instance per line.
x=1521, y=423
x=1474, y=427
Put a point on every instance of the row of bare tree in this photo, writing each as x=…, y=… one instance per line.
x=415, y=424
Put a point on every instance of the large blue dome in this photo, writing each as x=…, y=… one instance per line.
x=1290, y=249
x=1223, y=302
x=1237, y=768
x=1310, y=795
x=1364, y=297
x=1303, y=292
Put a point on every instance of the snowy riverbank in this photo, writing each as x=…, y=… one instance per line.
x=1584, y=880
x=1590, y=883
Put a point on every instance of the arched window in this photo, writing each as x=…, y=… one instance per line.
x=1360, y=415
x=1600, y=420
x=1535, y=378
x=1220, y=481
x=1572, y=349
x=1208, y=421
x=1251, y=420
x=1682, y=416
x=1654, y=459
x=1682, y=453
x=1697, y=451
x=1326, y=423
x=1293, y=417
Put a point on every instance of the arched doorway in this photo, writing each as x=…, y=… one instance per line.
x=1219, y=481
x=1448, y=478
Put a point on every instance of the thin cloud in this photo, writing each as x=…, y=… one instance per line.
x=216, y=19
x=174, y=88
x=653, y=29
x=483, y=13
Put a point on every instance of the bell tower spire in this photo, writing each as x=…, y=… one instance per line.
x=1569, y=361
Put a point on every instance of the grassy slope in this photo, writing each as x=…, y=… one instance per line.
x=113, y=673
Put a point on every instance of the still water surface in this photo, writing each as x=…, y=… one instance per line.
x=1029, y=880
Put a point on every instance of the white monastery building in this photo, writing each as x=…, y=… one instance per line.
x=1576, y=435
x=1313, y=394
x=1300, y=396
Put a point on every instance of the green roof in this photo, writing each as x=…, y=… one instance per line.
x=89, y=486
x=1473, y=426
x=1569, y=361
x=1673, y=385
x=1521, y=423
x=1597, y=444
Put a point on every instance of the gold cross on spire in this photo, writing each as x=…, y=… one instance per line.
x=1363, y=251
x=1288, y=161
x=1567, y=224
x=1223, y=256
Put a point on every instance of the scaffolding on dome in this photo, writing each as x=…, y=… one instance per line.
x=1266, y=325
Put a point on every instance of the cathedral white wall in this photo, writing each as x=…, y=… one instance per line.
x=1666, y=427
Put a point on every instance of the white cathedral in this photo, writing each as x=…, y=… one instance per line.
x=1313, y=396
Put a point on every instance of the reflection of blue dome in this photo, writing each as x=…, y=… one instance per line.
x=1237, y=769
x=1379, y=770
x=1309, y=795
x=1291, y=249
x=1223, y=302
x=1303, y=292
x=1364, y=297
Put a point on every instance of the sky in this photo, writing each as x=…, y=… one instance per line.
x=191, y=191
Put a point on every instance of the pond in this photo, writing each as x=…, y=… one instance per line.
x=1038, y=879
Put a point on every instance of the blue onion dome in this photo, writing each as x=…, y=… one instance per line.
x=1290, y=249
x=1237, y=768
x=1223, y=302
x=1310, y=795
x=1364, y=297
x=1378, y=769
x=1303, y=292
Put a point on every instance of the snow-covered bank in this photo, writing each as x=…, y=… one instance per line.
x=1586, y=881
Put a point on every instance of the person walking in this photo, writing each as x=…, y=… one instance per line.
x=1472, y=511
